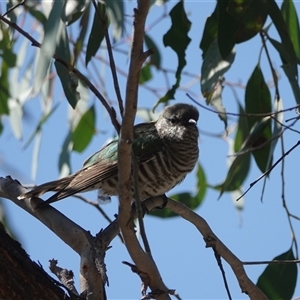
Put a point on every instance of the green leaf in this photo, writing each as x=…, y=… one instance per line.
x=238, y=21
x=215, y=100
x=227, y=27
x=236, y=175
x=288, y=55
x=97, y=32
x=201, y=184
x=64, y=165
x=155, y=58
x=4, y=90
x=242, y=130
x=256, y=133
x=277, y=18
x=291, y=19
x=212, y=71
x=9, y=57
x=290, y=69
x=284, y=54
x=178, y=32
x=145, y=74
x=84, y=22
x=249, y=17
x=68, y=80
x=210, y=32
x=84, y=131
x=277, y=130
x=213, y=68
x=12, y=15
x=6, y=45
x=48, y=47
x=37, y=14
x=115, y=10
x=292, y=74
x=278, y=281
x=258, y=100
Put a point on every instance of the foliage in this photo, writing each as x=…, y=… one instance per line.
x=76, y=35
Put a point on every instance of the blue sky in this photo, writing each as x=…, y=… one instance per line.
x=259, y=232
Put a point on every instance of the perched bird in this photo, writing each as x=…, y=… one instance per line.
x=166, y=151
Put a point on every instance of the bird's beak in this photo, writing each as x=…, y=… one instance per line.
x=192, y=121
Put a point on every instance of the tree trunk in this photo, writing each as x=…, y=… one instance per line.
x=20, y=277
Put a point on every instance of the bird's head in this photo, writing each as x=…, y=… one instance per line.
x=177, y=119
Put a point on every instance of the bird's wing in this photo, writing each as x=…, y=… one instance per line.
x=100, y=166
x=55, y=185
x=146, y=143
x=103, y=164
x=86, y=179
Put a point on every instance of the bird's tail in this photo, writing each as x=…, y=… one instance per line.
x=52, y=186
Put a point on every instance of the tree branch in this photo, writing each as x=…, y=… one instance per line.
x=211, y=240
x=142, y=261
x=72, y=234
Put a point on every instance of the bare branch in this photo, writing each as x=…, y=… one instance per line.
x=269, y=170
x=211, y=240
x=274, y=74
x=111, y=59
x=142, y=260
x=248, y=115
x=275, y=262
x=14, y=7
x=72, y=234
x=65, y=276
x=219, y=261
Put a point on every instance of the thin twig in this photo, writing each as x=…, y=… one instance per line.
x=274, y=75
x=213, y=241
x=295, y=217
x=138, y=203
x=269, y=114
x=218, y=258
x=269, y=170
x=267, y=262
x=102, y=212
x=96, y=205
x=14, y=7
x=284, y=204
x=111, y=59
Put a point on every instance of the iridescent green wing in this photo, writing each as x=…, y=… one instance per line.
x=108, y=153
x=146, y=141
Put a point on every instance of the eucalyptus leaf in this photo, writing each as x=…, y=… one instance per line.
x=84, y=131
x=258, y=101
x=177, y=32
x=100, y=24
x=278, y=281
x=48, y=47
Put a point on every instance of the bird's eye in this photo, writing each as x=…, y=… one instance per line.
x=173, y=120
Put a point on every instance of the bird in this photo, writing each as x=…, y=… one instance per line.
x=166, y=151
